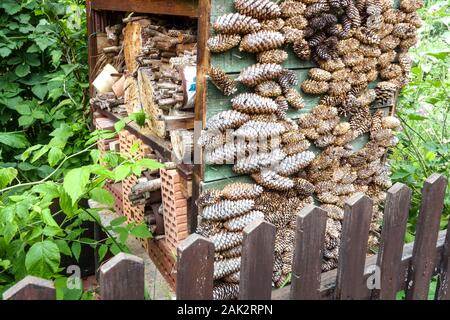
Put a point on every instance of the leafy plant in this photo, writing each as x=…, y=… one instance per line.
x=423, y=110
x=49, y=166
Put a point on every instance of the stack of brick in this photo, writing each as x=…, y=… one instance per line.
x=175, y=208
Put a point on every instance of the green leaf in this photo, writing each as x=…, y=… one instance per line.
x=76, y=250
x=40, y=153
x=149, y=164
x=40, y=91
x=14, y=139
x=63, y=247
x=9, y=231
x=26, y=121
x=121, y=172
x=4, y=52
x=118, y=221
x=11, y=7
x=7, y=175
x=119, y=125
x=27, y=153
x=68, y=68
x=75, y=182
x=141, y=231
x=48, y=219
x=44, y=42
x=102, y=251
x=43, y=259
x=24, y=108
x=22, y=70
x=54, y=156
x=102, y=196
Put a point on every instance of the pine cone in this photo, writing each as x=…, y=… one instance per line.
x=297, y=22
x=272, y=24
x=208, y=198
x=298, y=147
x=294, y=99
x=260, y=72
x=227, y=209
x=271, y=180
x=315, y=9
x=233, y=23
x=324, y=112
x=315, y=87
x=374, y=22
x=339, y=88
x=268, y=89
x=261, y=41
x=353, y=14
x=225, y=291
x=341, y=128
x=385, y=31
x=239, y=223
x=239, y=191
x=255, y=162
x=333, y=212
x=283, y=107
x=386, y=59
x=322, y=21
x=405, y=62
x=259, y=129
x=404, y=30
x=361, y=121
x=223, y=42
x=291, y=8
x=228, y=119
x=391, y=122
x=287, y=79
x=295, y=163
x=373, y=7
x=324, y=141
x=352, y=59
x=389, y=43
x=224, y=154
x=292, y=137
x=292, y=35
x=385, y=92
x=302, y=50
x=319, y=74
x=252, y=103
x=223, y=268
x=259, y=9
x=223, y=82
x=231, y=253
x=209, y=228
x=233, y=278
x=304, y=187
x=393, y=16
x=369, y=50
x=339, y=75
x=414, y=19
x=331, y=65
x=392, y=71
x=211, y=139
x=276, y=56
x=410, y=5
x=225, y=240
x=408, y=43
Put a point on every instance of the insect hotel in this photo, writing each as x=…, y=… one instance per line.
x=260, y=110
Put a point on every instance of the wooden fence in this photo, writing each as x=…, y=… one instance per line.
x=397, y=266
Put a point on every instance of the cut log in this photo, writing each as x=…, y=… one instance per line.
x=133, y=42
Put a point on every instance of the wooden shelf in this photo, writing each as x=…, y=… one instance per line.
x=188, y=8
x=160, y=146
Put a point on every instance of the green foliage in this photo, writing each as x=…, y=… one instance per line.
x=423, y=110
x=49, y=166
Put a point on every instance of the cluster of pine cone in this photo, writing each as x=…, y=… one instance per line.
x=225, y=214
x=354, y=43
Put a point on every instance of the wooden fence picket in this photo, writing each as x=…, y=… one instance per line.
x=257, y=261
x=350, y=282
x=396, y=212
x=31, y=288
x=195, y=268
x=443, y=289
x=308, y=253
x=122, y=278
x=424, y=253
